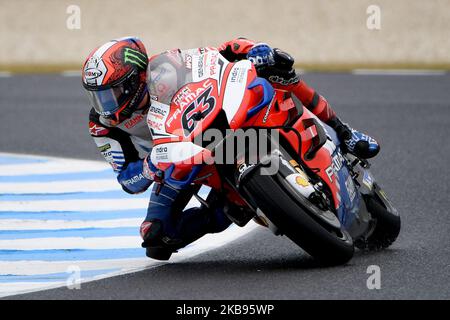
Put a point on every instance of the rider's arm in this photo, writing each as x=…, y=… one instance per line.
x=238, y=49
x=118, y=150
x=312, y=100
x=277, y=66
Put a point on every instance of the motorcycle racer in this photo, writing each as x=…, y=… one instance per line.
x=117, y=78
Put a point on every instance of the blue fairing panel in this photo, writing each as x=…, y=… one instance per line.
x=331, y=133
x=350, y=197
x=268, y=93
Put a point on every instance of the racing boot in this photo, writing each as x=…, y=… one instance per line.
x=357, y=143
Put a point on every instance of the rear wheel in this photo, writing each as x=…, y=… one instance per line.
x=329, y=245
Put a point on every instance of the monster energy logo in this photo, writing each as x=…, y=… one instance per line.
x=135, y=57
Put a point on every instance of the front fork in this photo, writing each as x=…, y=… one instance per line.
x=367, y=187
x=295, y=181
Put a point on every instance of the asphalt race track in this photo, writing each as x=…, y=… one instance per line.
x=408, y=114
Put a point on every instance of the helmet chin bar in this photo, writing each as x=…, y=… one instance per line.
x=115, y=118
x=127, y=110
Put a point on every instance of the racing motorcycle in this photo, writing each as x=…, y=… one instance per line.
x=304, y=186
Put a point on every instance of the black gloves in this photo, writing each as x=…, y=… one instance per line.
x=281, y=71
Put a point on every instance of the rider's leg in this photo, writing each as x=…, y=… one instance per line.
x=355, y=142
x=168, y=227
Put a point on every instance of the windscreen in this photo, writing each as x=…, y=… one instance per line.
x=168, y=72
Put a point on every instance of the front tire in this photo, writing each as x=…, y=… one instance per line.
x=388, y=223
x=329, y=246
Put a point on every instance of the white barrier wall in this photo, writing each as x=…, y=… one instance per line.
x=316, y=32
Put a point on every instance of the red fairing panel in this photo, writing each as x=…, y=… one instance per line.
x=322, y=161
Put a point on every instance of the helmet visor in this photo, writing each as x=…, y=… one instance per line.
x=110, y=100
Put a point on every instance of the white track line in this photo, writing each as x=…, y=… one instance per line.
x=59, y=165
x=52, y=167
x=399, y=72
x=100, y=243
x=13, y=288
x=5, y=74
x=204, y=244
x=31, y=268
x=84, y=205
x=31, y=224
x=71, y=73
x=65, y=186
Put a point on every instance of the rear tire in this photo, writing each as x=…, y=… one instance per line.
x=330, y=247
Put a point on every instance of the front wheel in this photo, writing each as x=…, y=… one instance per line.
x=387, y=222
x=330, y=246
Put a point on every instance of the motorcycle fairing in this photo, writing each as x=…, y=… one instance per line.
x=195, y=105
x=213, y=86
x=350, y=197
